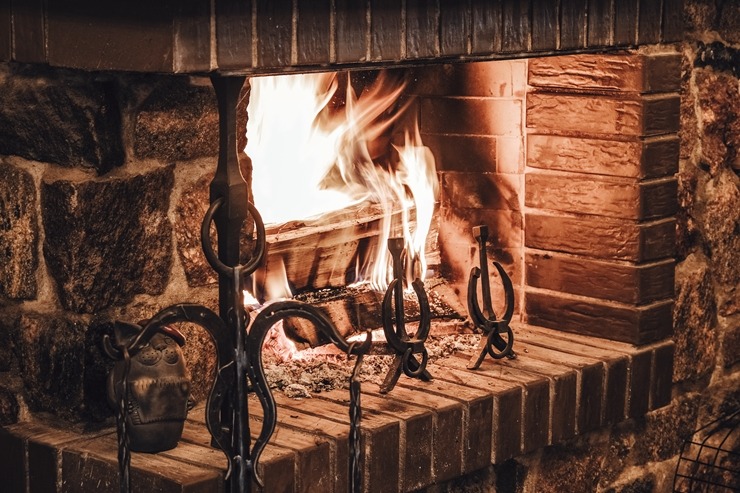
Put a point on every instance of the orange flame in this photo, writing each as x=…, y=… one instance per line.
x=313, y=154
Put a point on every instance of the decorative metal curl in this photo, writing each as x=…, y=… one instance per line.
x=398, y=339
x=491, y=342
x=261, y=325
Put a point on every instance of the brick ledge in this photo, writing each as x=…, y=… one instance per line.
x=561, y=385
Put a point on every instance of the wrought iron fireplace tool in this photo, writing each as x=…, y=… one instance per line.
x=238, y=344
x=491, y=341
x=404, y=346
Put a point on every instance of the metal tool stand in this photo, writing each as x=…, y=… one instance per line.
x=404, y=346
x=238, y=346
x=491, y=342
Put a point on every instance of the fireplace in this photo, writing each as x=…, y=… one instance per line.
x=556, y=129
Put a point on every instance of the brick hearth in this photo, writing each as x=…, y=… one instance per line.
x=419, y=434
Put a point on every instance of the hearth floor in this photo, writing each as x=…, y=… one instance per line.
x=421, y=433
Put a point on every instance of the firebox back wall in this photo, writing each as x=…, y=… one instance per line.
x=570, y=161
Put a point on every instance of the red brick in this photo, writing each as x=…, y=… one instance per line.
x=482, y=191
x=601, y=237
x=448, y=428
x=640, y=386
x=468, y=153
x=380, y=437
x=639, y=158
x=588, y=404
x=336, y=432
x=503, y=434
x=486, y=79
x=126, y=44
x=417, y=432
x=604, y=196
x=593, y=317
x=509, y=155
x=475, y=441
x=602, y=116
x=471, y=116
x=92, y=466
x=637, y=374
x=536, y=397
x=615, y=281
x=604, y=72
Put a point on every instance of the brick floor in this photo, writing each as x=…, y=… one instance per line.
x=419, y=434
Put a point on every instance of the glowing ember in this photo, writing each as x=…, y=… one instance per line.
x=315, y=149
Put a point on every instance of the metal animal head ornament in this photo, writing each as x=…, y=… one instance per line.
x=156, y=383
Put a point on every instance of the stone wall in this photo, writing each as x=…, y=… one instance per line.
x=103, y=185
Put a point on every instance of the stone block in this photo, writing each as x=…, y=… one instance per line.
x=589, y=316
x=616, y=281
x=602, y=116
x=177, y=122
x=659, y=72
x=51, y=354
x=9, y=407
x=106, y=241
x=695, y=315
x=18, y=233
x=572, y=467
x=603, y=196
x=644, y=158
x=601, y=237
x=75, y=122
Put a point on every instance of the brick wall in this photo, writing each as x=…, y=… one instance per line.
x=602, y=151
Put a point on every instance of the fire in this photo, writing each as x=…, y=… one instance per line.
x=316, y=149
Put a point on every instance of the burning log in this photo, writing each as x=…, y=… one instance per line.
x=330, y=251
x=356, y=309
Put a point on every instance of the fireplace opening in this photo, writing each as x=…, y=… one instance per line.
x=568, y=160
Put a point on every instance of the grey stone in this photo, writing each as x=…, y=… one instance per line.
x=18, y=233
x=177, y=122
x=661, y=434
x=191, y=209
x=720, y=115
x=9, y=407
x=694, y=316
x=51, y=350
x=572, y=467
x=640, y=485
x=107, y=241
x=60, y=116
x=8, y=336
x=719, y=222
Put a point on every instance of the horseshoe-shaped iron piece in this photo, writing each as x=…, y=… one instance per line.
x=398, y=339
x=492, y=342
